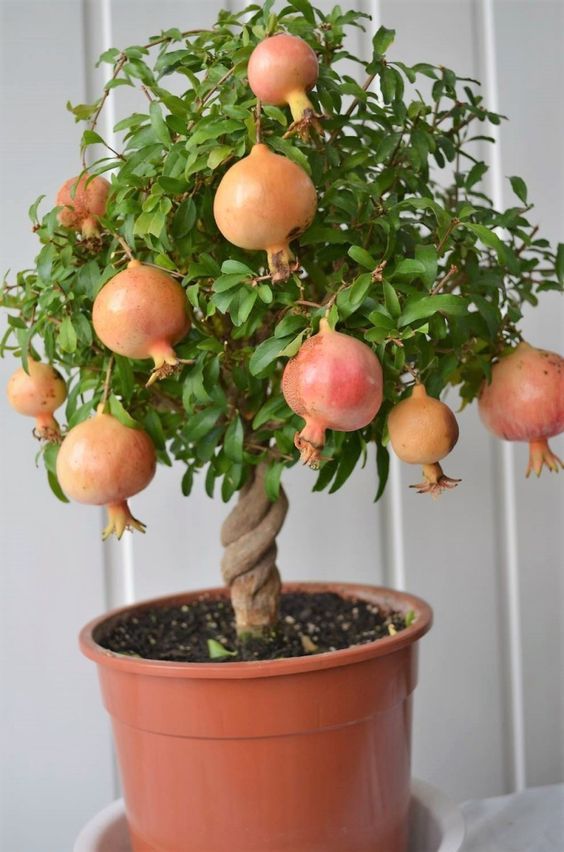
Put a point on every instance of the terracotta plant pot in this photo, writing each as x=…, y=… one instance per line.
x=309, y=754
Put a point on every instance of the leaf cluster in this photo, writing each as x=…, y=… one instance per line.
x=407, y=252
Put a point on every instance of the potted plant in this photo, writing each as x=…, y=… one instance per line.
x=305, y=285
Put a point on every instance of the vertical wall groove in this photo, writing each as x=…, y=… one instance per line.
x=505, y=460
x=117, y=555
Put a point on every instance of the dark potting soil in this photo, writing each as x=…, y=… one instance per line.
x=204, y=630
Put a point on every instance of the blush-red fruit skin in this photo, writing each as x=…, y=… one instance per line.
x=280, y=66
x=525, y=399
x=334, y=382
x=525, y=402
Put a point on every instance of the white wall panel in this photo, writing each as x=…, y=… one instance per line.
x=56, y=757
x=452, y=548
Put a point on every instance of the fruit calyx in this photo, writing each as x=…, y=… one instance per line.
x=121, y=519
x=434, y=480
x=540, y=454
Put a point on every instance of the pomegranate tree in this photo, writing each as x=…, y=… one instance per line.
x=299, y=293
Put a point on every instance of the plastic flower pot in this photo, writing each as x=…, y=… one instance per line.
x=308, y=754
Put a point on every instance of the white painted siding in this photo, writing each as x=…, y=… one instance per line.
x=490, y=704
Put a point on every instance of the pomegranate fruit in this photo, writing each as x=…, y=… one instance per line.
x=102, y=462
x=263, y=202
x=140, y=313
x=281, y=69
x=423, y=430
x=82, y=203
x=525, y=402
x=38, y=394
x=334, y=382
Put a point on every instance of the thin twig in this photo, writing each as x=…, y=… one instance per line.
x=258, y=129
x=123, y=244
x=107, y=383
x=442, y=281
x=453, y=224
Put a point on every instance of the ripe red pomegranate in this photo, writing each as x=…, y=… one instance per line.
x=102, y=462
x=82, y=203
x=38, y=394
x=263, y=202
x=141, y=313
x=423, y=430
x=281, y=70
x=525, y=402
x=334, y=382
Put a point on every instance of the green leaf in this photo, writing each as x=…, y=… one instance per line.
x=158, y=123
x=272, y=480
x=218, y=155
x=519, y=187
x=267, y=352
x=383, y=468
x=362, y=257
x=410, y=268
x=391, y=299
x=235, y=267
x=347, y=461
x=426, y=306
x=304, y=6
x=233, y=440
x=32, y=212
x=241, y=304
x=200, y=424
x=475, y=174
x=56, y=488
x=427, y=256
x=559, y=266
x=184, y=218
x=275, y=408
x=382, y=40
x=217, y=651
x=293, y=347
x=66, y=337
x=119, y=412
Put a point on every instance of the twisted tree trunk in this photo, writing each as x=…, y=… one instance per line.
x=249, y=563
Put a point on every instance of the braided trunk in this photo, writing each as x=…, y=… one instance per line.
x=249, y=562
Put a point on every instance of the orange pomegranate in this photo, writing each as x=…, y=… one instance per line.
x=141, y=313
x=263, y=203
x=102, y=462
x=423, y=430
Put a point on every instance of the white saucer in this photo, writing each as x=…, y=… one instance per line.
x=436, y=824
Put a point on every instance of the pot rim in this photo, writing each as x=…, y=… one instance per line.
x=399, y=600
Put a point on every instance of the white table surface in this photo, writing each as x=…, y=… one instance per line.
x=532, y=821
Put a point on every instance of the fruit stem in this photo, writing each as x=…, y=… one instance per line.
x=47, y=429
x=280, y=262
x=540, y=454
x=299, y=103
x=89, y=227
x=166, y=361
x=119, y=520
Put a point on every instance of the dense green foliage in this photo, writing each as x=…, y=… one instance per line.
x=406, y=251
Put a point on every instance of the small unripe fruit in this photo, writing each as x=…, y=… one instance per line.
x=83, y=201
x=423, y=430
x=38, y=394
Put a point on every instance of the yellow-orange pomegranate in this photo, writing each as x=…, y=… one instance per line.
x=282, y=68
x=423, y=430
x=141, y=313
x=525, y=402
x=83, y=201
x=334, y=382
x=102, y=462
x=263, y=202
x=38, y=394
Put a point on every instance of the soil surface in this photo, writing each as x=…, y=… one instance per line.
x=204, y=630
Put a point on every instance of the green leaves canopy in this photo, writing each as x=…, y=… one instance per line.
x=424, y=270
